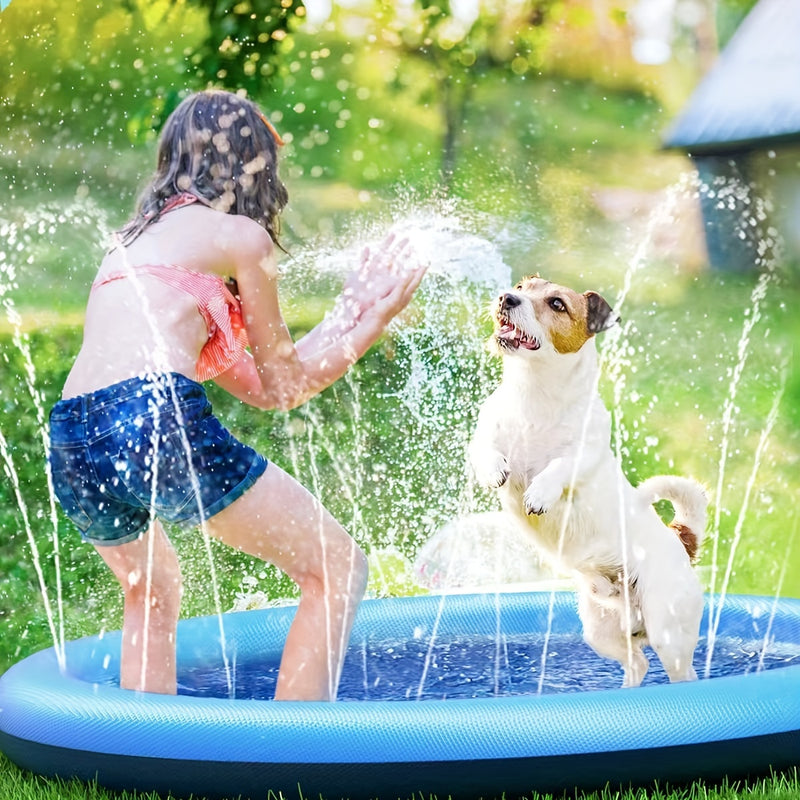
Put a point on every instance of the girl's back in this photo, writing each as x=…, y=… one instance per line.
x=137, y=321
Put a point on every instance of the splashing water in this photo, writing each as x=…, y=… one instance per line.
x=763, y=442
x=165, y=396
x=385, y=448
x=615, y=363
x=19, y=238
x=22, y=237
x=422, y=475
x=437, y=347
x=57, y=634
x=426, y=390
x=733, y=194
x=617, y=366
x=728, y=415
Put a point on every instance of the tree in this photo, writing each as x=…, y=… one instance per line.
x=240, y=50
x=91, y=70
x=114, y=69
x=459, y=47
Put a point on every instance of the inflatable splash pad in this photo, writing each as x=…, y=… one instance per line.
x=455, y=695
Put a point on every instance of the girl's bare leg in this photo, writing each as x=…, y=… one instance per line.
x=150, y=576
x=279, y=521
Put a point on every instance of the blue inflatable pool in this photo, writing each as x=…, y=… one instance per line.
x=455, y=695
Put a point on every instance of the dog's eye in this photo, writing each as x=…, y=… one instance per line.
x=557, y=304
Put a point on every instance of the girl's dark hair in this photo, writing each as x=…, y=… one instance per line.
x=219, y=147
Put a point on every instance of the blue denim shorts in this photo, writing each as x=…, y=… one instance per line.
x=143, y=448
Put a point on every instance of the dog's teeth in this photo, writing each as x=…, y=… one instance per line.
x=507, y=331
x=517, y=337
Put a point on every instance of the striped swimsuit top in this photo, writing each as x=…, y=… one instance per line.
x=220, y=309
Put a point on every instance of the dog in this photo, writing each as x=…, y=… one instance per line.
x=542, y=439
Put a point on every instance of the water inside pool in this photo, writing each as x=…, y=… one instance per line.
x=478, y=666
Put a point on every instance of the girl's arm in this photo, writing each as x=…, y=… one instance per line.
x=283, y=374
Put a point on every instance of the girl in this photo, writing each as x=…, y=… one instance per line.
x=189, y=293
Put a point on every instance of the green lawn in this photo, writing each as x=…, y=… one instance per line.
x=16, y=785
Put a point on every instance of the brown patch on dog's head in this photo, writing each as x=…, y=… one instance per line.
x=568, y=318
x=688, y=538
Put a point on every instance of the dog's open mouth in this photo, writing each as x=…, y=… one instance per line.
x=512, y=337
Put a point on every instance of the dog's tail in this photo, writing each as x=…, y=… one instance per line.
x=689, y=500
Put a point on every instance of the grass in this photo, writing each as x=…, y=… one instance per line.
x=778, y=786
x=693, y=373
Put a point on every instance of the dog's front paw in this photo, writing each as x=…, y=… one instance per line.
x=541, y=495
x=493, y=472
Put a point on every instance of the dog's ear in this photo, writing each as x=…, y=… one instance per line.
x=600, y=316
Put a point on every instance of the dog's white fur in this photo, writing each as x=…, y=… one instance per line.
x=543, y=439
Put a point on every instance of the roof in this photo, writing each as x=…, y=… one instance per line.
x=751, y=96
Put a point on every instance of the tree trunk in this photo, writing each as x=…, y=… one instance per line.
x=455, y=94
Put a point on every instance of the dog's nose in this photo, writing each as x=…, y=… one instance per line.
x=508, y=300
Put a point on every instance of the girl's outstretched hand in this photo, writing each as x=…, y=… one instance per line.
x=385, y=282
x=379, y=289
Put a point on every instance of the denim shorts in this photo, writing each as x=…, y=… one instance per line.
x=143, y=448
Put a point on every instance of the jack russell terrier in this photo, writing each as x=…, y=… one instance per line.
x=543, y=440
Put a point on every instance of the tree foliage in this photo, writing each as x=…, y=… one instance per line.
x=243, y=39
x=111, y=70
x=460, y=48
x=90, y=70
